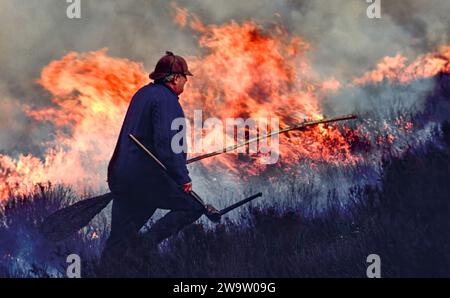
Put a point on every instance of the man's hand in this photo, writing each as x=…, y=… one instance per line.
x=212, y=213
x=187, y=188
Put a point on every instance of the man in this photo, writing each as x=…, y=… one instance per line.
x=138, y=184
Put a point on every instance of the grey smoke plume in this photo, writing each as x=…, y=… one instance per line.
x=345, y=43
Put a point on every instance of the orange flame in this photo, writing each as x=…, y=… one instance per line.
x=91, y=93
x=395, y=68
x=254, y=72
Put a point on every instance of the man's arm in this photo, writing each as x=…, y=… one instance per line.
x=163, y=113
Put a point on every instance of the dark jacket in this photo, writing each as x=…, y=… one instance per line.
x=149, y=118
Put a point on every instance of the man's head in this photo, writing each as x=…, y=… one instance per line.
x=173, y=71
x=177, y=83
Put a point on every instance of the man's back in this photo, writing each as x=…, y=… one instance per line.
x=149, y=118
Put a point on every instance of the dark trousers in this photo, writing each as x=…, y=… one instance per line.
x=131, y=210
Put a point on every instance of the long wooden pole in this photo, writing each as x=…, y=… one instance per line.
x=284, y=130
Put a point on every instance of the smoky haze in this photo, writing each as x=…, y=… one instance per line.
x=345, y=43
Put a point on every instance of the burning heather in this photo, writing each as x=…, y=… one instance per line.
x=396, y=68
x=245, y=71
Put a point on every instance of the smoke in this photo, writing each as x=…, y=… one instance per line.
x=9, y=118
x=382, y=101
x=427, y=22
x=345, y=42
x=35, y=32
x=18, y=133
